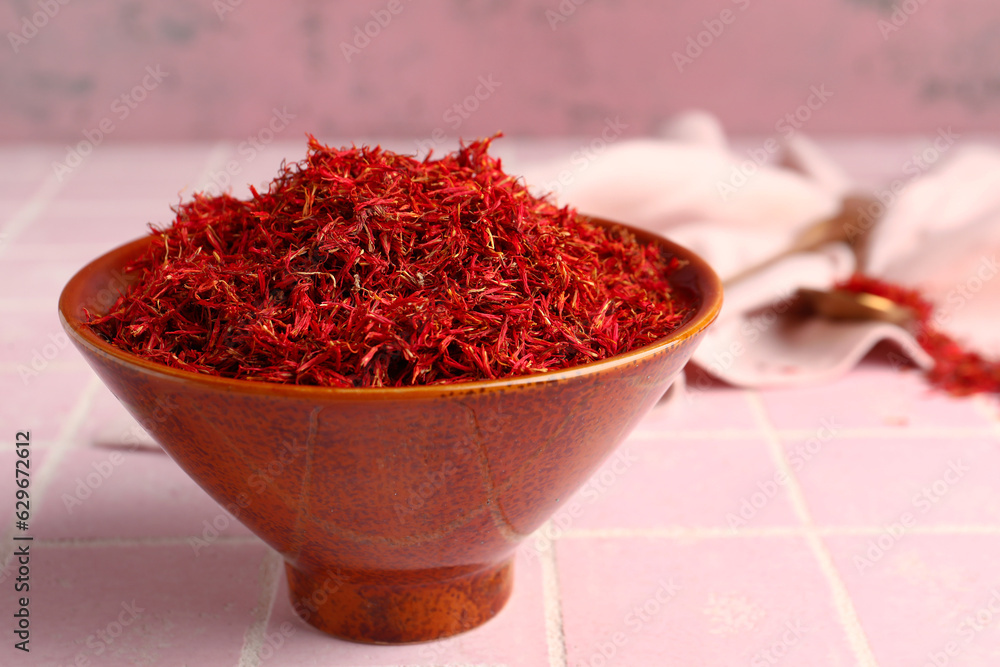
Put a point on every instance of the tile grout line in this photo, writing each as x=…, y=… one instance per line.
x=555, y=630
x=842, y=434
x=636, y=437
x=721, y=532
x=665, y=532
x=30, y=210
x=856, y=636
x=38, y=253
x=103, y=542
x=253, y=638
x=40, y=484
x=25, y=305
x=54, y=366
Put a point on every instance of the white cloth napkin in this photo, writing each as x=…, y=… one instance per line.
x=939, y=233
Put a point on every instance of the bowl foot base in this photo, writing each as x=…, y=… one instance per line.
x=396, y=607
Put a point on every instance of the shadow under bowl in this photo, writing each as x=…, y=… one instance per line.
x=398, y=511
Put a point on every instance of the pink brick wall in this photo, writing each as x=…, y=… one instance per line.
x=555, y=67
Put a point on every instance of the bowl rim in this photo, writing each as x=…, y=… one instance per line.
x=706, y=282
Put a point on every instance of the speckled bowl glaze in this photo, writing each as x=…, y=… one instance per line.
x=398, y=511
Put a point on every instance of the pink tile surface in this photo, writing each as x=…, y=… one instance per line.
x=41, y=403
x=105, y=223
x=132, y=174
x=708, y=602
x=702, y=406
x=237, y=165
x=924, y=600
x=33, y=342
x=782, y=588
x=108, y=424
x=29, y=278
x=110, y=491
x=888, y=481
x=156, y=605
x=892, y=400
x=22, y=171
x=671, y=482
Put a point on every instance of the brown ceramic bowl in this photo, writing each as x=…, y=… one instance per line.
x=398, y=511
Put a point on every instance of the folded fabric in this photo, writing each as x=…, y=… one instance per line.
x=939, y=232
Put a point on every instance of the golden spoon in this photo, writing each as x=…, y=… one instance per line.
x=852, y=224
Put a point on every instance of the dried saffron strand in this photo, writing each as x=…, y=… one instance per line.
x=956, y=370
x=359, y=267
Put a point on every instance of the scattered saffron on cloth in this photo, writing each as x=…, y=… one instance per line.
x=956, y=370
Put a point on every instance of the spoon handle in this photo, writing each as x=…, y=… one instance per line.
x=849, y=225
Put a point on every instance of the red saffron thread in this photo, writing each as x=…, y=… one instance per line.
x=956, y=370
x=359, y=267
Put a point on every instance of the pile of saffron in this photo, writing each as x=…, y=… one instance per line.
x=956, y=370
x=360, y=267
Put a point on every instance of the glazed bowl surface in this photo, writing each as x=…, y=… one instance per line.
x=397, y=510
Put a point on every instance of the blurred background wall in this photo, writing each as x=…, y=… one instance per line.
x=208, y=69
